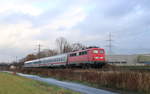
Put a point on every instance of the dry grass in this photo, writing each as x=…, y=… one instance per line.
x=122, y=80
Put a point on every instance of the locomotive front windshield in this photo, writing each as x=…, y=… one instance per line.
x=98, y=51
x=101, y=51
x=95, y=51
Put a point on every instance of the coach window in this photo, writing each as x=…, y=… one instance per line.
x=59, y=59
x=53, y=60
x=44, y=61
x=70, y=54
x=62, y=59
x=73, y=54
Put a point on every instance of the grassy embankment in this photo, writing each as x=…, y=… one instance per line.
x=136, y=68
x=130, y=81
x=13, y=84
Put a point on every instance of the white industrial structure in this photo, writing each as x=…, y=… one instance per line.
x=136, y=59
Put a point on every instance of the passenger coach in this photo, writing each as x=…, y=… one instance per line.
x=58, y=60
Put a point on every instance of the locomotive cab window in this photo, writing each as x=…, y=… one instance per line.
x=101, y=51
x=95, y=51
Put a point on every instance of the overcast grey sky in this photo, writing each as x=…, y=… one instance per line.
x=25, y=23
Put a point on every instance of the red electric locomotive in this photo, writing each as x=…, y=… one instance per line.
x=87, y=57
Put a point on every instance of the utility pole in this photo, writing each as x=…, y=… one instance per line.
x=16, y=59
x=109, y=56
x=39, y=50
x=110, y=43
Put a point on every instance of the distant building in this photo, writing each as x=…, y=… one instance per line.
x=12, y=67
x=144, y=58
x=136, y=59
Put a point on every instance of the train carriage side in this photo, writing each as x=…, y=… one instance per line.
x=58, y=60
x=32, y=63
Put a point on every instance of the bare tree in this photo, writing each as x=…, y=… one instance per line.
x=63, y=45
x=47, y=53
x=30, y=57
x=77, y=46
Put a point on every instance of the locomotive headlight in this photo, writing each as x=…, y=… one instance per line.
x=96, y=57
x=99, y=57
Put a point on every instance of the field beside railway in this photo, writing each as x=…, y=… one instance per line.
x=13, y=84
x=136, y=68
x=132, y=82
